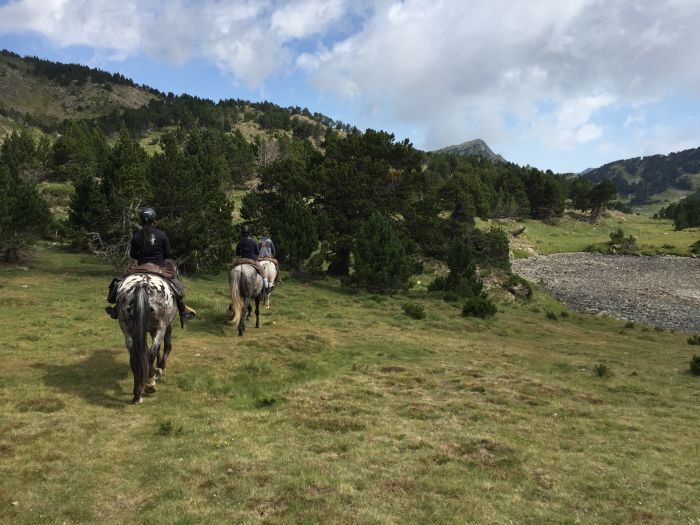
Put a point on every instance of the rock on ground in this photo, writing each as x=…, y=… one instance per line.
x=658, y=291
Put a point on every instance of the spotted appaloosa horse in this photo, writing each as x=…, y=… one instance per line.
x=245, y=283
x=270, y=271
x=145, y=305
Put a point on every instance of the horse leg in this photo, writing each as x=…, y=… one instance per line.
x=135, y=369
x=152, y=354
x=167, y=347
x=241, y=325
x=250, y=310
x=257, y=311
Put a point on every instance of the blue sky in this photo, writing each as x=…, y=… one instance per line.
x=557, y=85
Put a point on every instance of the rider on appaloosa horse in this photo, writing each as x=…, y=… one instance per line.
x=151, y=249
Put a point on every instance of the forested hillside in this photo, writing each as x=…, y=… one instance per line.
x=641, y=178
x=41, y=94
x=45, y=95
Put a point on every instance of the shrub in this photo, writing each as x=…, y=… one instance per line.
x=414, y=310
x=463, y=279
x=563, y=313
x=695, y=365
x=621, y=244
x=629, y=324
x=694, y=340
x=602, y=370
x=519, y=286
x=479, y=306
x=551, y=315
x=695, y=247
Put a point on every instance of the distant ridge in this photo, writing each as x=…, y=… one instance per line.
x=472, y=147
x=644, y=178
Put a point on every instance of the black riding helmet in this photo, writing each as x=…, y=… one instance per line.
x=245, y=231
x=147, y=215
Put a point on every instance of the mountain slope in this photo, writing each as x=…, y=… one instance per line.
x=40, y=94
x=472, y=147
x=644, y=178
x=50, y=91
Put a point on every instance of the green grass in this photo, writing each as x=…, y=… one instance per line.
x=572, y=235
x=339, y=409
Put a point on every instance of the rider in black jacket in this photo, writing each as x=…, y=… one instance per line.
x=151, y=245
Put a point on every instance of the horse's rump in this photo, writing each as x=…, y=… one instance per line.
x=238, y=261
x=161, y=299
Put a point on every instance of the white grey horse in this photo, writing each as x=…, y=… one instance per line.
x=145, y=305
x=270, y=271
x=245, y=283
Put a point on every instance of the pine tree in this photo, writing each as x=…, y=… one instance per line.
x=88, y=209
x=382, y=264
x=189, y=196
x=24, y=215
x=293, y=228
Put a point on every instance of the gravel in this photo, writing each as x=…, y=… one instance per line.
x=659, y=291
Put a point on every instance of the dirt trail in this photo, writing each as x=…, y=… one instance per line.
x=658, y=291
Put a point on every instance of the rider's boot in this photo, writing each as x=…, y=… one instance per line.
x=112, y=297
x=186, y=313
x=112, y=312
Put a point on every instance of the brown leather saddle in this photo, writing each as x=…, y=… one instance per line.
x=242, y=260
x=167, y=271
x=271, y=259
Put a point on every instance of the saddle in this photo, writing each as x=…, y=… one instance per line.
x=271, y=259
x=242, y=260
x=167, y=271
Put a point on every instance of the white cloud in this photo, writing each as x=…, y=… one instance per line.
x=251, y=39
x=588, y=132
x=551, y=67
x=304, y=18
x=542, y=70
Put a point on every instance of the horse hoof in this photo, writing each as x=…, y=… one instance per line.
x=150, y=389
x=137, y=401
x=159, y=373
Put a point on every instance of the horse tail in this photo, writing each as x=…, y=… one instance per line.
x=141, y=314
x=236, y=301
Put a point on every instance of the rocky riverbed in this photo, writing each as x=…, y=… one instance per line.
x=658, y=291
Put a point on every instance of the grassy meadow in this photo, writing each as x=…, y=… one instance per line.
x=571, y=234
x=339, y=409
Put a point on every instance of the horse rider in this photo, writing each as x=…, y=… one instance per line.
x=151, y=245
x=267, y=250
x=265, y=245
x=247, y=248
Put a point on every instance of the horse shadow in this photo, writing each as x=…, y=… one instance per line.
x=96, y=379
x=210, y=323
